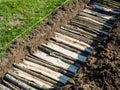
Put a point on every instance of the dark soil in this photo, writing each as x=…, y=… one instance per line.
x=102, y=70
x=29, y=44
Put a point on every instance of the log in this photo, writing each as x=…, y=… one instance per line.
x=18, y=82
x=66, y=52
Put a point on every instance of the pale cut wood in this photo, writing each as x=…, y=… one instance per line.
x=3, y=87
x=48, y=65
x=95, y=17
x=45, y=71
x=98, y=14
x=95, y=21
x=10, y=85
x=18, y=82
x=101, y=7
x=80, y=30
x=56, y=61
x=73, y=42
x=31, y=83
x=31, y=78
x=90, y=27
x=66, y=52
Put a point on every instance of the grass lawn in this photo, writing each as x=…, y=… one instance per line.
x=17, y=17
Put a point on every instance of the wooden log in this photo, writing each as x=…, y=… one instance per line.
x=79, y=30
x=99, y=24
x=8, y=84
x=57, y=69
x=82, y=32
x=45, y=71
x=102, y=20
x=3, y=87
x=109, y=3
x=91, y=27
x=102, y=8
x=79, y=36
x=41, y=79
x=62, y=57
x=56, y=61
x=31, y=83
x=55, y=54
x=66, y=52
x=92, y=23
x=73, y=42
x=18, y=82
x=76, y=36
x=87, y=28
x=68, y=47
x=105, y=16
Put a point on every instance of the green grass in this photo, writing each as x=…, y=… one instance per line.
x=18, y=17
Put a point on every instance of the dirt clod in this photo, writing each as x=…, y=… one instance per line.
x=1, y=18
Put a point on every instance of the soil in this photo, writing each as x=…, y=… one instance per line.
x=29, y=44
x=102, y=70
x=1, y=18
x=16, y=22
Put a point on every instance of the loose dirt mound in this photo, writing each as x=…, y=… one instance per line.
x=102, y=71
